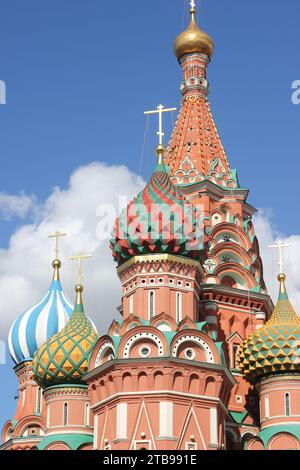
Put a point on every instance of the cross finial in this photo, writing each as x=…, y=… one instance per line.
x=193, y=4
x=280, y=245
x=57, y=235
x=160, y=110
x=80, y=257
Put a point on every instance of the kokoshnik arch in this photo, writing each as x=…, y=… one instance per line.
x=199, y=359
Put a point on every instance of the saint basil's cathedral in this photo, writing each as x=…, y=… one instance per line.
x=200, y=358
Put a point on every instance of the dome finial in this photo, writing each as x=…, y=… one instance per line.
x=280, y=245
x=193, y=39
x=79, y=288
x=57, y=263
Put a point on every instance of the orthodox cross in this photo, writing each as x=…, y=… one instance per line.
x=193, y=4
x=80, y=257
x=160, y=110
x=280, y=245
x=57, y=235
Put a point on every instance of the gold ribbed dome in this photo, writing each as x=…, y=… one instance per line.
x=193, y=40
x=273, y=348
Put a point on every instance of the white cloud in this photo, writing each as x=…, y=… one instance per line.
x=25, y=267
x=16, y=205
x=267, y=235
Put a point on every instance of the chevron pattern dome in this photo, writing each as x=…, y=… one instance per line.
x=158, y=220
x=41, y=322
x=64, y=358
x=273, y=348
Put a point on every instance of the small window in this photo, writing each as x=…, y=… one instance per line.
x=144, y=351
x=65, y=417
x=151, y=304
x=267, y=407
x=178, y=307
x=39, y=400
x=235, y=350
x=287, y=400
x=190, y=354
x=87, y=415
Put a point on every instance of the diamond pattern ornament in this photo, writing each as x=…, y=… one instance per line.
x=274, y=347
x=64, y=358
x=158, y=220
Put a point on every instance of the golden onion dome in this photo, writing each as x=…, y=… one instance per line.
x=64, y=358
x=273, y=348
x=193, y=40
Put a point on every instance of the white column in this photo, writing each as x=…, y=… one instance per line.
x=121, y=421
x=166, y=419
x=96, y=426
x=214, y=426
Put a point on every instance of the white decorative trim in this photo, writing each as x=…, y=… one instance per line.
x=69, y=432
x=96, y=430
x=104, y=346
x=187, y=420
x=139, y=336
x=208, y=352
x=214, y=438
x=162, y=392
x=121, y=418
x=166, y=419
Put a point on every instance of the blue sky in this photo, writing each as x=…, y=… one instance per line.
x=80, y=73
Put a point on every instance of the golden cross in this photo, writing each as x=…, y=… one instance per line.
x=160, y=110
x=57, y=235
x=280, y=245
x=80, y=257
x=193, y=4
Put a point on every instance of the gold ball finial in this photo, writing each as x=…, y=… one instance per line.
x=193, y=39
x=56, y=264
x=281, y=277
x=160, y=150
x=79, y=288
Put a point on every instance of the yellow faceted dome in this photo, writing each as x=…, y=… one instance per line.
x=273, y=348
x=193, y=40
x=64, y=358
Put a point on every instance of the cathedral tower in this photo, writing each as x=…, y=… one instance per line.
x=233, y=296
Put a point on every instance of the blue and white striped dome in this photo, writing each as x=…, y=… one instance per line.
x=38, y=324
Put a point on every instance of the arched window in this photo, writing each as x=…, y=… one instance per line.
x=151, y=304
x=267, y=407
x=87, y=415
x=287, y=402
x=39, y=400
x=178, y=307
x=235, y=350
x=65, y=416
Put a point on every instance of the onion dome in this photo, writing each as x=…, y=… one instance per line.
x=64, y=358
x=41, y=322
x=158, y=220
x=273, y=348
x=193, y=40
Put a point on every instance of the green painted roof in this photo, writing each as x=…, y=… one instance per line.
x=74, y=441
x=266, y=434
x=238, y=417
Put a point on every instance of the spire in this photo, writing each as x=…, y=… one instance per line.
x=195, y=151
x=284, y=312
